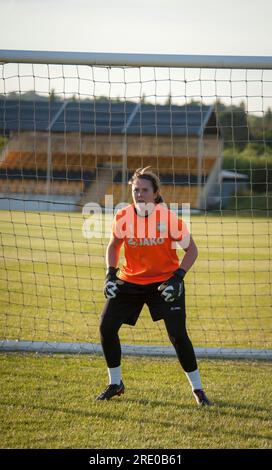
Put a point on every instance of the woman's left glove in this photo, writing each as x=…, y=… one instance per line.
x=173, y=288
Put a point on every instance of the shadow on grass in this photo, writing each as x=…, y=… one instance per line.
x=110, y=412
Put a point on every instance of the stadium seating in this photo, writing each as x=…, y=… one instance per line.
x=75, y=174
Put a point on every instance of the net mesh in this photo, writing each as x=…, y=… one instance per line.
x=71, y=135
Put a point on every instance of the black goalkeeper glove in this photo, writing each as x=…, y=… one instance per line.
x=111, y=283
x=172, y=289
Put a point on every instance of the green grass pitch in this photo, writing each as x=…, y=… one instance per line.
x=51, y=289
x=52, y=281
x=49, y=402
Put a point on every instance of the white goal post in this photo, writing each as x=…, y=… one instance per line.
x=73, y=128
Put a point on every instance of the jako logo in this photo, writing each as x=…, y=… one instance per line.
x=145, y=241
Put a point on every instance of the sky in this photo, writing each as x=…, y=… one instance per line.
x=235, y=27
x=213, y=27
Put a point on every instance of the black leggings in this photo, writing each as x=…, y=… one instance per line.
x=176, y=329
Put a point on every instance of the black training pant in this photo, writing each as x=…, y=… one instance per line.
x=126, y=308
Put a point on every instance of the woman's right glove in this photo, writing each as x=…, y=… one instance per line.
x=111, y=283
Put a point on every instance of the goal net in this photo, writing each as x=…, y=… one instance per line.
x=73, y=128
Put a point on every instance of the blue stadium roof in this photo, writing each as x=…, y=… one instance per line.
x=106, y=117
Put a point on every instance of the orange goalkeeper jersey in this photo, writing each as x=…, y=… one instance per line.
x=149, y=243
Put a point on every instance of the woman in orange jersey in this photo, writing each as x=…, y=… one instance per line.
x=151, y=274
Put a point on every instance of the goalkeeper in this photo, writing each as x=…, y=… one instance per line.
x=151, y=275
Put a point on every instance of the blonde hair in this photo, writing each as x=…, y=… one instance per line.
x=147, y=174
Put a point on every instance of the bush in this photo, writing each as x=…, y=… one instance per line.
x=255, y=161
x=3, y=142
x=252, y=203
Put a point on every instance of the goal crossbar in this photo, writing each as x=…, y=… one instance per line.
x=135, y=60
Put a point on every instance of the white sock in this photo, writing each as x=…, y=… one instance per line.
x=114, y=375
x=194, y=379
